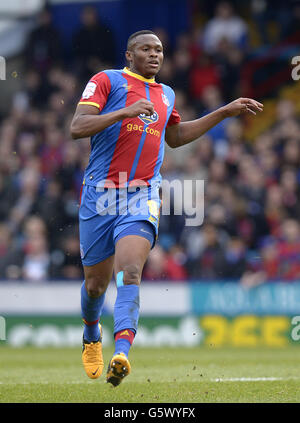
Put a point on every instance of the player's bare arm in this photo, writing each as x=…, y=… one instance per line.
x=87, y=121
x=186, y=132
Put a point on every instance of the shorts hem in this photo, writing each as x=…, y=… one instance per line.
x=123, y=236
x=141, y=220
x=98, y=260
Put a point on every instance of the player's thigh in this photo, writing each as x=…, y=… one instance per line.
x=131, y=253
x=98, y=276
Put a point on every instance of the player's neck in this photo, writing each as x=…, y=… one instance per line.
x=135, y=71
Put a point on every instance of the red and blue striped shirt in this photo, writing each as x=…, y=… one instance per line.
x=132, y=150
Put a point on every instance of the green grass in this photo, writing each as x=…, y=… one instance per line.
x=174, y=375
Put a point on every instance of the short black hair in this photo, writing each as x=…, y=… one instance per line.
x=136, y=34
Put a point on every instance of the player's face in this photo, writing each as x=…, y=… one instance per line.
x=146, y=55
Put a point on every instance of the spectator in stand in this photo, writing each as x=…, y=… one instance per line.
x=27, y=143
x=11, y=263
x=184, y=107
x=265, y=13
x=229, y=60
x=166, y=73
x=235, y=133
x=51, y=151
x=285, y=110
x=204, y=151
x=93, y=44
x=233, y=262
x=66, y=262
x=210, y=100
x=36, y=261
x=170, y=224
x=8, y=196
x=207, y=264
x=28, y=256
x=165, y=266
x=292, y=31
x=51, y=207
x=218, y=171
x=176, y=260
x=69, y=170
x=203, y=73
x=195, y=46
x=280, y=257
x=227, y=25
x=155, y=267
x=34, y=91
x=43, y=48
x=233, y=157
x=266, y=267
x=29, y=185
x=5, y=240
x=274, y=209
x=269, y=164
x=289, y=250
x=6, y=246
x=182, y=65
x=291, y=153
x=290, y=192
x=252, y=187
x=71, y=268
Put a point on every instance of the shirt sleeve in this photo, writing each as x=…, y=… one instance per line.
x=96, y=91
x=174, y=118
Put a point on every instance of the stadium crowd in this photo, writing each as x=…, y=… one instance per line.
x=251, y=230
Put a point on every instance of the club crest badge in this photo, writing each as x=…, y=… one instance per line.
x=148, y=119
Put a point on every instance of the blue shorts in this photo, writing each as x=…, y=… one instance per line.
x=107, y=215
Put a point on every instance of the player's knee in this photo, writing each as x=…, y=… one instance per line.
x=131, y=274
x=95, y=286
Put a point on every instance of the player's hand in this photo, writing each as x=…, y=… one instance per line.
x=141, y=106
x=242, y=105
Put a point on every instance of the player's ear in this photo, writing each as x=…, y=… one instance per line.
x=128, y=56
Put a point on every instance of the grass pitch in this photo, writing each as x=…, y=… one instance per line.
x=191, y=375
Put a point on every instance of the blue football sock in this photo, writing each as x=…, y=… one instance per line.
x=126, y=313
x=91, y=309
